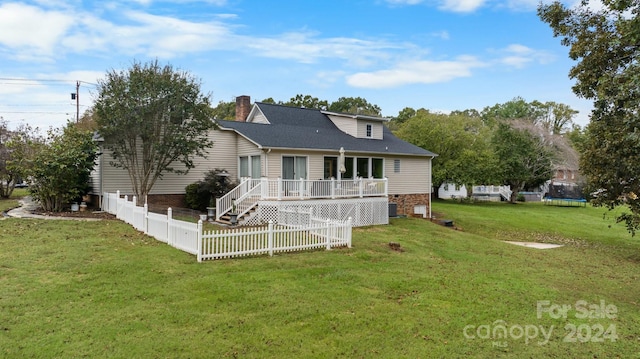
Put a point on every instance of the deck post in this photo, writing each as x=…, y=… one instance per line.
x=301, y=188
x=264, y=190
x=333, y=188
x=279, y=189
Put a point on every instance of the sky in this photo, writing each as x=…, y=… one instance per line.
x=441, y=55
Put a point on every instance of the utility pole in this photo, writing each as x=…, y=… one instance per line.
x=77, y=101
x=76, y=96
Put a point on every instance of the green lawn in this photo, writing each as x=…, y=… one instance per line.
x=101, y=289
x=12, y=202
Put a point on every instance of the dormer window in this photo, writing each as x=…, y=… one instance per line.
x=369, y=130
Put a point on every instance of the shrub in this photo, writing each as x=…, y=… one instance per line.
x=521, y=198
x=202, y=194
x=195, y=198
x=61, y=169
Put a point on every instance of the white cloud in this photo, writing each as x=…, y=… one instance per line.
x=444, y=34
x=593, y=5
x=461, y=5
x=306, y=48
x=140, y=33
x=326, y=79
x=171, y=36
x=404, y=2
x=518, y=56
x=413, y=72
x=522, y=5
x=32, y=30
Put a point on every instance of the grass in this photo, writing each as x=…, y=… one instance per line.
x=12, y=202
x=101, y=289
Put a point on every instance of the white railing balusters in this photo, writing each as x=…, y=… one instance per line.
x=190, y=237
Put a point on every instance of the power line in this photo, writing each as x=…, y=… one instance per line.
x=16, y=79
x=33, y=80
x=41, y=112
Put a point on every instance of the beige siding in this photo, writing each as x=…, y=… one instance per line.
x=347, y=125
x=259, y=117
x=256, y=116
x=376, y=129
x=221, y=155
x=246, y=147
x=414, y=176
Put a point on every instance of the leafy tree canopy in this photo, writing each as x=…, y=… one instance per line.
x=225, y=111
x=307, y=101
x=554, y=117
x=153, y=120
x=17, y=150
x=61, y=168
x=355, y=105
x=464, y=152
x=606, y=45
x=525, y=160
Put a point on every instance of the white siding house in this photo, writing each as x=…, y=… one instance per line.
x=300, y=154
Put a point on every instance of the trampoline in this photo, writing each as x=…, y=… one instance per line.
x=565, y=195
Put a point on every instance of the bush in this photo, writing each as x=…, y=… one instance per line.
x=195, y=198
x=521, y=198
x=202, y=194
x=61, y=169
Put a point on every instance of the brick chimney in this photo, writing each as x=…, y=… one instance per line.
x=243, y=107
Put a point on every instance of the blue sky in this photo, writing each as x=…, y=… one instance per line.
x=441, y=55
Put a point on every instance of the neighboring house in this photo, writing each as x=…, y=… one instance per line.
x=295, y=160
x=452, y=191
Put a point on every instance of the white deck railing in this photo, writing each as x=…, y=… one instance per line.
x=249, y=191
x=504, y=191
x=191, y=238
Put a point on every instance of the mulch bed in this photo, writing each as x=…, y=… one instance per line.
x=77, y=214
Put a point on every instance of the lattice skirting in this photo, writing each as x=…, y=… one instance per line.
x=363, y=211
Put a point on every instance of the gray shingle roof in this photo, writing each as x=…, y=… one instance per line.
x=293, y=127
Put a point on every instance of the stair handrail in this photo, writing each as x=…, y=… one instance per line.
x=248, y=200
x=225, y=203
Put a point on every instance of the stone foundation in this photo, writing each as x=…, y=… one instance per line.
x=406, y=203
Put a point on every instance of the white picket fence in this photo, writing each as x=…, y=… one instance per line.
x=191, y=238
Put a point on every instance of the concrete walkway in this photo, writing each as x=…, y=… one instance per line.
x=535, y=245
x=28, y=205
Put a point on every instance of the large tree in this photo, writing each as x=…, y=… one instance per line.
x=355, y=105
x=17, y=150
x=606, y=45
x=514, y=109
x=461, y=142
x=307, y=101
x=225, y=111
x=552, y=116
x=555, y=117
x=525, y=158
x=153, y=119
